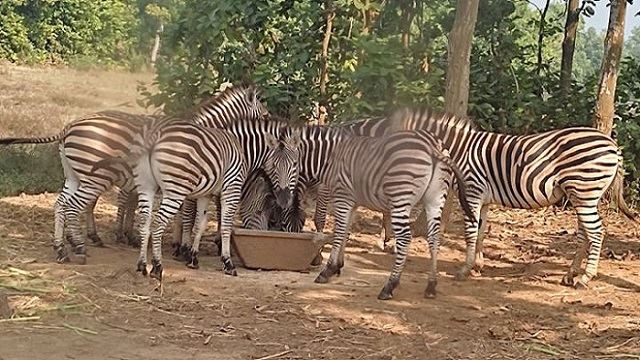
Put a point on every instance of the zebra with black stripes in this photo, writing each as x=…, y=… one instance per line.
x=392, y=174
x=183, y=161
x=526, y=172
x=253, y=138
x=111, y=134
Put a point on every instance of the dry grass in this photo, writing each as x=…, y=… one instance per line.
x=38, y=102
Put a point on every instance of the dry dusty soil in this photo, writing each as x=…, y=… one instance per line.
x=515, y=310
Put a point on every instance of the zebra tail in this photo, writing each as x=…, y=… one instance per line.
x=462, y=187
x=619, y=193
x=37, y=140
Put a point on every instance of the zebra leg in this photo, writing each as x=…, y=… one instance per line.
x=200, y=226
x=591, y=224
x=471, y=236
x=342, y=210
x=77, y=204
x=121, y=215
x=92, y=232
x=59, y=222
x=145, y=207
x=581, y=253
x=182, y=250
x=132, y=236
x=481, y=233
x=229, y=201
x=320, y=215
x=169, y=206
x=217, y=239
x=402, y=230
x=388, y=233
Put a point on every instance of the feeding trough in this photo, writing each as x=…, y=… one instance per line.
x=276, y=250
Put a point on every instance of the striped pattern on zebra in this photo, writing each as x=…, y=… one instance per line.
x=183, y=160
x=82, y=143
x=259, y=210
x=392, y=174
x=109, y=134
x=253, y=138
x=527, y=172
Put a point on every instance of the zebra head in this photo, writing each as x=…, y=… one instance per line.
x=282, y=164
x=253, y=98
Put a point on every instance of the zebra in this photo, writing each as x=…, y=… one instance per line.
x=527, y=172
x=252, y=135
x=184, y=160
x=259, y=210
x=292, y=219
x=109, y=134
x=392, y=174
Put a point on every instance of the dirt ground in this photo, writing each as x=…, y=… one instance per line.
x=515, y=310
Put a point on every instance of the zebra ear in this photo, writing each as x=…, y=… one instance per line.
x=272, y=141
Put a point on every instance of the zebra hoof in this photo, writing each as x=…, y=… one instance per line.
x=430, y=291
x=387, y=291
x=142, y=267
x=321, y=279
x=192, y=260
x=385, y=295
x=156, y=270
x=61, y=256
x=228, y=267
x=96, y=240
x=567, y=280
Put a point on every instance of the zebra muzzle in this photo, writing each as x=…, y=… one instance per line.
x=284, y=198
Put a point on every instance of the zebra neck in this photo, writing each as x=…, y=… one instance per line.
x=456, y=140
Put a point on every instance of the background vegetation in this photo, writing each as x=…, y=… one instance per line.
x=380, y=54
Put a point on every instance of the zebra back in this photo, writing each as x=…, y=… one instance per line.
x=233, y=103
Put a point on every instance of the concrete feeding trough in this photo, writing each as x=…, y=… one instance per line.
x=276, y=250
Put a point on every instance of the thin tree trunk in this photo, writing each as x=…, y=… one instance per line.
x=456, y=99
x=603, y=115
x=543, y=17
x=605, y=102
x=324, y=72
x=568, y=46
x=156, y=45
x=407, y=18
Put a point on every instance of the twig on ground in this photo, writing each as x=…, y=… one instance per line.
x=282, y=353
x=78, y=330
x=18, y=319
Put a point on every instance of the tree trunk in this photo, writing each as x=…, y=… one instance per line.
x=156, y=44
x=408, y=14
x=543, y=17
x=605, y=106
x=456, y=99
x=568, y=46
x=324, y=72
x=603, y=115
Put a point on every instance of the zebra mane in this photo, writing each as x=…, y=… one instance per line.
x=229, y=93
x=428, y=118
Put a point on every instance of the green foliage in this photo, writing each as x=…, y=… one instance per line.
x=14, y=35
x=30, y=169
x=79, y=32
